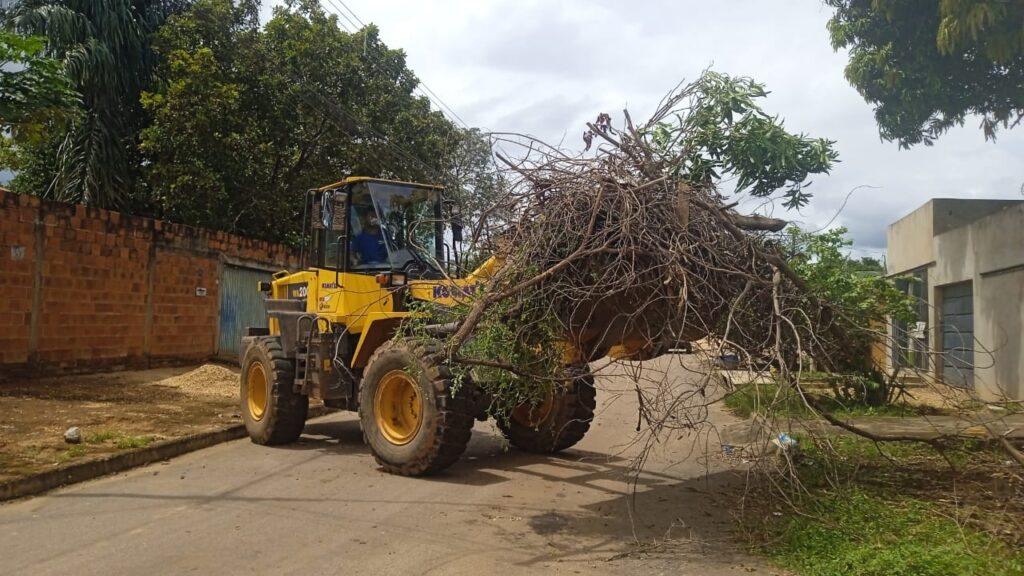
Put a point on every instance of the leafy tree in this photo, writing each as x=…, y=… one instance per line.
x=820, y=260
x=870, y=265
x=33, y=88
x=725, y=133
x=470, y=177
x=926, y=65
x=246, y=118
x=868, y=300
x=34, y=95
x=104, y=48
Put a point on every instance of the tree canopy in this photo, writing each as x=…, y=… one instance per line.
x=33, y=87
x=857, y=287
x=926, y=66
x=35, y=93
x=247, y=118
x=725, y=133
x=104, y=48
x=195, y=111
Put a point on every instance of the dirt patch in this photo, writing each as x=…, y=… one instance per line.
x=115, y=412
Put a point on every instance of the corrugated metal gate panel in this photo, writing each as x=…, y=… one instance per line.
x=241, y=306
x=958, y=335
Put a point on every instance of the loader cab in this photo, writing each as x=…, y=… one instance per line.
x=370, y=226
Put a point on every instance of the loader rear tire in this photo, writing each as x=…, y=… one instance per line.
x=273, y=412
x=413, y=421
x=558, y=423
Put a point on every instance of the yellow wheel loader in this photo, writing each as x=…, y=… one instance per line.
x=378, y=246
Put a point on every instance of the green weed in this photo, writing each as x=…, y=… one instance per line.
x=101, y=437
x=854, y=532
x=129, y=442
x=785, y=401
x=121, y=440
x=71, y=453
x=870, y=509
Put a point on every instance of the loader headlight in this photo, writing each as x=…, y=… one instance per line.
x=392, y=279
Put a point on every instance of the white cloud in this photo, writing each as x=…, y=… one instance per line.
x=546, y=67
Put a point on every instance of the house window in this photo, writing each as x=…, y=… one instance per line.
x=910, y=339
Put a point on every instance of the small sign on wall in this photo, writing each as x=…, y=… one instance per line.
x=17, y=253
x=918, y=331
x=200, y=291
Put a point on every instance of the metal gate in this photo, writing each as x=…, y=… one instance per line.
x=958, y=335
x=241, y=307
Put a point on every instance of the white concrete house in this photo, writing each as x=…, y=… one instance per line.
x=967, y=261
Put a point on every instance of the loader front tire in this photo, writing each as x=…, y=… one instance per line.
x=559, y=422
x=412, y=419
x=273, y=412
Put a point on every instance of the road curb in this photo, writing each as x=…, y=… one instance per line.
x=163, y=450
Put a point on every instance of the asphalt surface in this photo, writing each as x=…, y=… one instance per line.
x=321, y=506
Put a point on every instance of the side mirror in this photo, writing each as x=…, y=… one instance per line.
x=329, y=211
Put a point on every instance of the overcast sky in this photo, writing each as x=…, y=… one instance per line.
x=545, y=68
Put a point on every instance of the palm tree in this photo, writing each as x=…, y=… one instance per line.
x=105, y=48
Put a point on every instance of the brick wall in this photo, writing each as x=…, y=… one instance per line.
x=184, y=325
x=17, y=275
x=86, y=289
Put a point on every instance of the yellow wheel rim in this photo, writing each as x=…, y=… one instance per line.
x=531, y=415
x=398, y=407
x=257, y=390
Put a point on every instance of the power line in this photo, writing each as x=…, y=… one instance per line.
x=352, y=13
x=402, y=152
x=442, y=106
x=331, y=112
x=425, y=90
x=443, y=103
x=396, y=150
x=355, y=26
x=377, y=58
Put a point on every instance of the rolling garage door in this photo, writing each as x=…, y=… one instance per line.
x=958, y=335
x=241, y=307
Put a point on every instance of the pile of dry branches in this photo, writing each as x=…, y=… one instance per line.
x=623, y=245
x=620, y=246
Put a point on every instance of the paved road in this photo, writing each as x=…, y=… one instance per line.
x=322, y=507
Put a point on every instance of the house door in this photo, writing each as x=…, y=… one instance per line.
x=958, y=335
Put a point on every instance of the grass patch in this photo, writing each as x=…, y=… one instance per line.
x=893, y=509
x=751, y=399
x=784, y=401
x=1014, y=407
x=101, y=437
x=121, y=440
x=858, y=452
x=129, y=442
x=71, y=453
x=893, y=465
x=857, y=533
x=814, y=376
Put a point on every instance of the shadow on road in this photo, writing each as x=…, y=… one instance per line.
x=577, y=507
x=599, y=501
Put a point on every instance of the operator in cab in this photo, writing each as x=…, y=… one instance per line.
x=369, y=243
